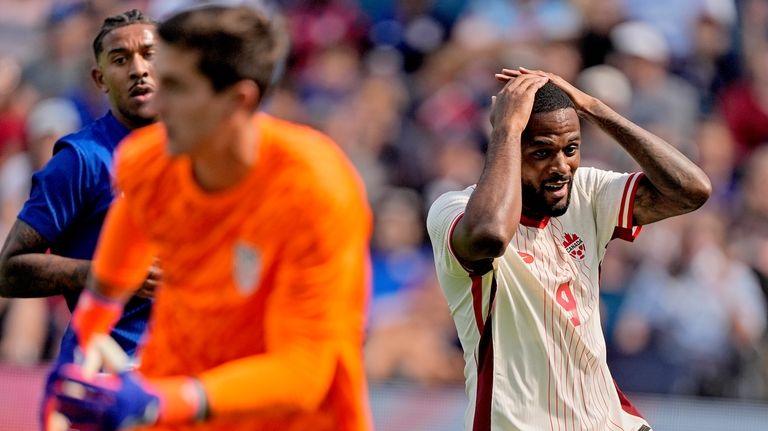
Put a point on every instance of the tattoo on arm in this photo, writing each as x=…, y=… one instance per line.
x=650, y=206
x=27, y=271
x=673, y=184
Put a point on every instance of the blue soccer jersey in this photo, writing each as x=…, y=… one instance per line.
x=68, y=201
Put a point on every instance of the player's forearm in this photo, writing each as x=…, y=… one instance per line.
x=672, y=174
x=118, y=292
x=493, y=210
x=36, y=275
x=270, y=383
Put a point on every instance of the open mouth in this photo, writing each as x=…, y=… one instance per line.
x=141, y=92
x=556, y=189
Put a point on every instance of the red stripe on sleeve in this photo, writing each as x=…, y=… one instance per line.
x=620, y=221
x=631, y=212
x=450, y=235
x=477, y=301
x=625, y=228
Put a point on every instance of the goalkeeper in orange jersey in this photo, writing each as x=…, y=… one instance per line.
x=262, y=227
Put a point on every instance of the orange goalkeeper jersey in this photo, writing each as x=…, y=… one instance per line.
x=265, y=284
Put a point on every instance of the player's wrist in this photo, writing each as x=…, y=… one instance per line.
x=94, y=314
x=182, y=399
x=507, y=136
x=592, y=107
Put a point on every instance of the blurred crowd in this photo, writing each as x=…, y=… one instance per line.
x=404, y=87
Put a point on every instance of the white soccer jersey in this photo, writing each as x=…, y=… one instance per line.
x=530, y=328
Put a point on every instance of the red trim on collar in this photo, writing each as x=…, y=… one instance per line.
x=540, y=224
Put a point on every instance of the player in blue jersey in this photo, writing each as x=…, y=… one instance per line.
x=49, y=248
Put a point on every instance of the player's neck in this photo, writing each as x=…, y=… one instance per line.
x=229, y=157
x=131, y=123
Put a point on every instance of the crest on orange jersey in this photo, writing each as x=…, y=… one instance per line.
x=247, y=267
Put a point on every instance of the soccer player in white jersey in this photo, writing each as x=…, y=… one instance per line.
x=518, y=256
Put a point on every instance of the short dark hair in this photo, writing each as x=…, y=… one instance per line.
x=233, y=43
x=551, y=98
x=133, y=16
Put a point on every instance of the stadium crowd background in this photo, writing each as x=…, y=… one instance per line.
x=404, y=87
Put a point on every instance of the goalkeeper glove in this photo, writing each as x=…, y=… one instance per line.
x=116, y=401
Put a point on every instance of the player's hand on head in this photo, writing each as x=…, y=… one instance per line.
x=581, y=100
x=103, y=402
x=511, y=107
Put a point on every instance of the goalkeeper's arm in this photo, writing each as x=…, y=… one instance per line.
x=119, y=268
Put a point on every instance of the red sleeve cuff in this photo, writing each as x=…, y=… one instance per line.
x=625, y=228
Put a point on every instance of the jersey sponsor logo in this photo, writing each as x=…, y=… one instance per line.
x=574, y=246
x=247, y=267
x=527, y=258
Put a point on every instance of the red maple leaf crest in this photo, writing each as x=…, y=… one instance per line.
x=575, y=246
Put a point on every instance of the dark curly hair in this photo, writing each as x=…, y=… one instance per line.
x=551, y=98
x=133, y=16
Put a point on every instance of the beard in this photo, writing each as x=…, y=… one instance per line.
x=535, y=204
x=140, y=117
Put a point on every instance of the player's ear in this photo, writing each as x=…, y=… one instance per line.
x=247, y=94
x=98, y=78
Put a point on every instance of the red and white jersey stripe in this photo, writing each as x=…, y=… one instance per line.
x=530, y=325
